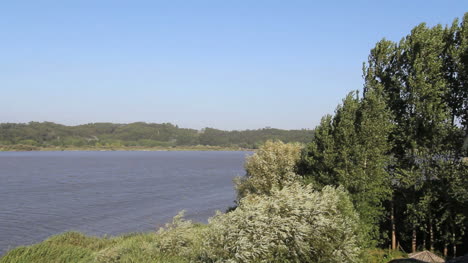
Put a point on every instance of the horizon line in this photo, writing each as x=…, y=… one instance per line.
x=145, y=122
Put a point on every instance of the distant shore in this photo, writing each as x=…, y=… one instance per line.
x=29, y=148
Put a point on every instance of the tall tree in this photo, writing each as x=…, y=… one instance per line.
x=424, y=80
x=350, y=149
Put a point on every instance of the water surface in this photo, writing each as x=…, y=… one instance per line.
x=98, y=193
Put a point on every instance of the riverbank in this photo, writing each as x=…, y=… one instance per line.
x=137, y=247
x=76, y=247
x=26, y=148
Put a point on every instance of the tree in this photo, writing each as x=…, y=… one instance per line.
x=350, y=149
x=424, y=81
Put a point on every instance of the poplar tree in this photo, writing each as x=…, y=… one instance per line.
x=424, y=80
x=350, y=149
x=404, y=141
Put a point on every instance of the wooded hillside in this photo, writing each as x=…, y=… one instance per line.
x=47, y=134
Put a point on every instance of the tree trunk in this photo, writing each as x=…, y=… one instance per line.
x=454, y=245
x=413, y=241
x=446, y=241
x=431, y=236
x=393, y=226
x=424, y=239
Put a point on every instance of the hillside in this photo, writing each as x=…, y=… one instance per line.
x=138, y=134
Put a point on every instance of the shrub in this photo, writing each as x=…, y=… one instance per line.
x=273, y=165
x=180, y=238
x=294, y=224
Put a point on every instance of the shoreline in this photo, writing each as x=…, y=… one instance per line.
x=29, y=148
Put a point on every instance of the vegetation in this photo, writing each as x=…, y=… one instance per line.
x=387, y=169
x=350, y=150
x=290, y=222
x=272, y=166
x=382, y=255
x=424, y=83
x=139, y=135
x=294, y=224
x=76, y=247
x=399, y=149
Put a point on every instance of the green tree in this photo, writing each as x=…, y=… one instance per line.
x=351, y=149
x=423, y=78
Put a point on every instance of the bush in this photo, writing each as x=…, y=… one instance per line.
x=273, y=165
x=294, y=224
x=180, y=238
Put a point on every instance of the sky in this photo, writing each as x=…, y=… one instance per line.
x=232, y=65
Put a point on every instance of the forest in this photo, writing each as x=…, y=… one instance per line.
x=138, y=134
x=400, y=148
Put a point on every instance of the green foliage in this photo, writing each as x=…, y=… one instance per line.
x=44, y=252
x=271, y=166
x=134, y=248
x=181, y=238
x=68, y=247
x=76, y=247
x=423, y=79
x=350, y=149
x=294, y=224
x=405, y=139
x=138, y=134
x=381, y=255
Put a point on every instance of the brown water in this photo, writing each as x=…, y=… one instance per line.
x=46, y=193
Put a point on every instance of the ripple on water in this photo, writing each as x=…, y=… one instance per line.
x=45, y=193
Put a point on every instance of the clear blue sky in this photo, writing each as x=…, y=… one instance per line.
x=223, y=64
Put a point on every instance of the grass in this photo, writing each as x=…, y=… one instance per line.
x=381, y=255
x=133, y=248
x=76, y=247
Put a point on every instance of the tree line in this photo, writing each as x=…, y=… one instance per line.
x=48, y=134
x=400, y=147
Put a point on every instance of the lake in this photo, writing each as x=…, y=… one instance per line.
x=109, y=193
